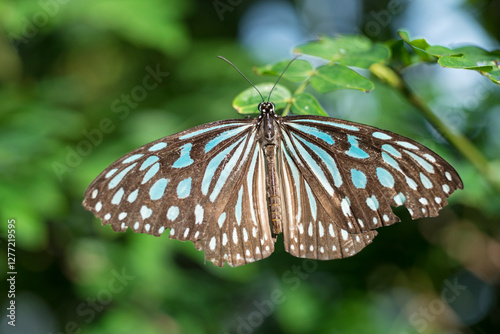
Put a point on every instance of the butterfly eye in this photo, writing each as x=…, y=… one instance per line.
x=266, y=107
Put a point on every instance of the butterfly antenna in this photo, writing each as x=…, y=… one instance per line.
x=227, y=61
x=286, y=68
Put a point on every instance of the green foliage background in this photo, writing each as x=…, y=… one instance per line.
x=71, y=73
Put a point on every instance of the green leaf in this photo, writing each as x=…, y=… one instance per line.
x=438, y=50
x=349, y=50
x=471, y=57
x=419, y=46
x=298, y=71
x=333, y=77
x=462, y=62
x=494, y=75
x=247, y=102
x=467, y=57
x=306, y=104
x=401, y=55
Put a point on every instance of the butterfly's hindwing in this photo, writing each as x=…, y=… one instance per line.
x=360, y=171
x=241, y=234
x=308, y=230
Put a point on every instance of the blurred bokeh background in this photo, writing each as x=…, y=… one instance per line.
x=73, y=99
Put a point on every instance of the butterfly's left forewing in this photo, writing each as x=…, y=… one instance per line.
x=358, y=172
x=187, y=182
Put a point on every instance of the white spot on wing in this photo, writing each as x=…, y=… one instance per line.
x=346, y=207
x=111, y=173
x=146, y=212
x=222, y=219
x=407, y=145
x=331, y=231
x=173, y=212
x=132, y=158
x=235, y=236
x=198, y=214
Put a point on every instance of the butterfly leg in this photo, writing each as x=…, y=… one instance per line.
x=273, y=190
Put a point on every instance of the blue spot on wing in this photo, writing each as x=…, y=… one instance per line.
x=213, y=165
x=184, y=160
x=337, y=125
x=202, y=131
x=117, y=179
x=149, y=161
x=326, y=159
x=315, y=132
x=354, y=151
x=223, y=136
x=390, y=149
x=311, y=163
x=385, y=178
x=184, y=188
x=358, y=178
x=158, y=189
x=422, y=162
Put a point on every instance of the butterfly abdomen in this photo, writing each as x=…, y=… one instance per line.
x=273, y=190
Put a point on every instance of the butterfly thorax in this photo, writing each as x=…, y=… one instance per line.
x=269, y=137
x=268, y=124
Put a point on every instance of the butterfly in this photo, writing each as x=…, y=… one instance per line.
x=233, y=186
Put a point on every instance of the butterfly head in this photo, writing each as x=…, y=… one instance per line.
x=266, y=108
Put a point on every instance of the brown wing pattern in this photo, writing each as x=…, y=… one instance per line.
x=185, y=182
x=358, y=172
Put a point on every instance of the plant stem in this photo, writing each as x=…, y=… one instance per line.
x=300, y=89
